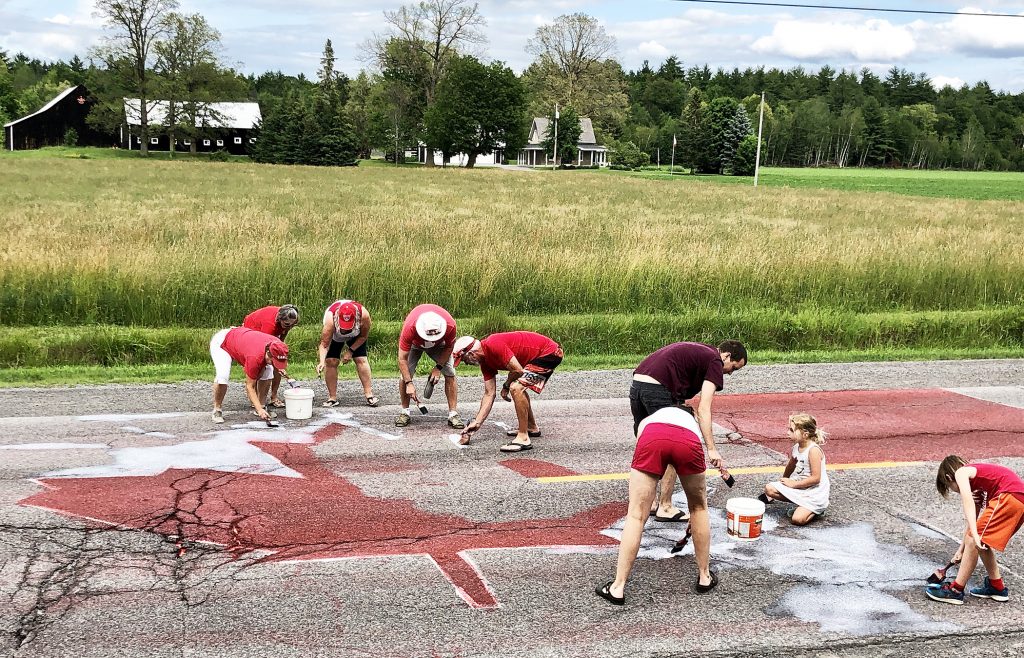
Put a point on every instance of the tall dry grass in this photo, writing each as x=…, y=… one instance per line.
x=201, y=244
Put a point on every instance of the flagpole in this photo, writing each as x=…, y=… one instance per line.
x=672, y=167
x=554, y=159
x=757, y=158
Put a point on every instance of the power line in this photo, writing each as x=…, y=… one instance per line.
x=849, y=8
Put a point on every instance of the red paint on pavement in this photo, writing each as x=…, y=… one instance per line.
x=536, y=468
x=320, y=515
x=869, y=426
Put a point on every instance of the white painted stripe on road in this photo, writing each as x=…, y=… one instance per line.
x=1010, y=396
x=56, y=446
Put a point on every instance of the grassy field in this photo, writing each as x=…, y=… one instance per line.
x=113, y=262
x=977, y=185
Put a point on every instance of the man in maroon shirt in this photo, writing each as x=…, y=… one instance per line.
x=260, y=354
x=276, y=321
x=672, y=375
x=530, y=359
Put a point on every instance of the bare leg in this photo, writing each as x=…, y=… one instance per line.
x=274, y=386
x=668, y=486
x=262, y=388
x=522, y=403
x=219, y=391
x=695, y=488
x=531, y=422
x=451, y=391
x=331, y=377
x=641, y=495
x=363, y=370
x=989, y=559
x=803, y=516
x=969, y=561
x=774, y=493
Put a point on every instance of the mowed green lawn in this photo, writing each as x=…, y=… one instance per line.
x=977, y=185
x=129, y=265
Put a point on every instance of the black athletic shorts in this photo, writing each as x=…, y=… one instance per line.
x=334, y=351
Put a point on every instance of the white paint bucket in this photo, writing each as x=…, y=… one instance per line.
x=298, y=403
x=743, y=518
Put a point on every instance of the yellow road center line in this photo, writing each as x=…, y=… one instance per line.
x=744, y=470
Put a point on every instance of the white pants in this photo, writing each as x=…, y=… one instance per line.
x=222, y=360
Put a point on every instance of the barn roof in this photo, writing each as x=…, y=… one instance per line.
x=212, y=115
x=56, y=99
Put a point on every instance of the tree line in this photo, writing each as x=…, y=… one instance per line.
x=422, y=84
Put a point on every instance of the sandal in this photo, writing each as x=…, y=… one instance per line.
x=277, y=404
x=331, y=403
x=605, y=592
x=532, y=435
x=372, y=401
x=704, y=589
x=512, y=446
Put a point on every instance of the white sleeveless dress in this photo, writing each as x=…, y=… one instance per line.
x=815, y=498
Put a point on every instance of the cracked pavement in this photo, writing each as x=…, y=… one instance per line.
x=236, y=559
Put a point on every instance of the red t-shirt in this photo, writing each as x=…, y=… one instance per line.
x=265, y=320
x=248, y=348
x=993, y=479
x=682, y=368
x=525, y=346
x=408, y=338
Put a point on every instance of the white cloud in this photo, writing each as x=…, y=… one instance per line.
x=940, y=81
x=653, y=50
x=59, y=19
x=978, y=36
x=870, y=40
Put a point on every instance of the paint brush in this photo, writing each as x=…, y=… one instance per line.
x=939, y=575
x=428, y=388
x=681, y=544
x=419, y=405
x=726, y=477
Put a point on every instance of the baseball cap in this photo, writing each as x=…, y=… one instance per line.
x=431, y=326
x=345, y=316
x=278, y=354
x=463, y=345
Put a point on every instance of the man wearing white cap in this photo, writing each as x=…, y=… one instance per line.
x=343, y=339
x=530, y=359
x=431, y=329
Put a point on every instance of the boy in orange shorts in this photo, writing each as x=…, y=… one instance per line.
x=999, y=493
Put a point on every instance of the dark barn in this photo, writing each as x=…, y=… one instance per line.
x=226, y=127
x=48, y=125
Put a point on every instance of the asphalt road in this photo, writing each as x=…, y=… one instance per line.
x=131, y=526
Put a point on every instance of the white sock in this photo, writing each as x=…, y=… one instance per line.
x=452, y=413
x=407, y=411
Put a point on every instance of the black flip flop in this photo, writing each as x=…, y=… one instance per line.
x=605, y=592
x=704, y=589
x=512, y=446
x=678, y=517
x=532, y=435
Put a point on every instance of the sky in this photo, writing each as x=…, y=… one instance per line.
x=269, y=35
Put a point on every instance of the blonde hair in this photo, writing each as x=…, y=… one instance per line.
x=947, y=473
x=806, y=423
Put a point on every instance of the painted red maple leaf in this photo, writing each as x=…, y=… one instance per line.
x=317, y=516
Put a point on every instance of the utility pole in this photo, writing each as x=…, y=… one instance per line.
x=760, y=126
x=554, y=159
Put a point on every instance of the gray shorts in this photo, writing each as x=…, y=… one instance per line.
x=447, y=370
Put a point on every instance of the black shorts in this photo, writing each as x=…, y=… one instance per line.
x=645, y=398
x=334, y=351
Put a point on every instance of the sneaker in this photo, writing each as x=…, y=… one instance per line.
x=218, y=417
x=455, y=422
x=986, y=591
x=945, y=594
x=402, y=420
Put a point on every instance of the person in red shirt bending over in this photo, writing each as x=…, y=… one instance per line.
x=999, y=493
x=276, y=321
x=530, y=359
x=260, y=354
x=431, y=329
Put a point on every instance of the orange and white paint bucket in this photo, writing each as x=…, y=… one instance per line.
x=743, y=518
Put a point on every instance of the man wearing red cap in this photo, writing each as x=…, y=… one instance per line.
x=431, y=329
x=276, y=321
x=259, y=354
x=343, y=339
x=530, y=359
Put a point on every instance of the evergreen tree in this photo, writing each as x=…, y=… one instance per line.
x=738, y=130
x=691, y=148
x=720, y=116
